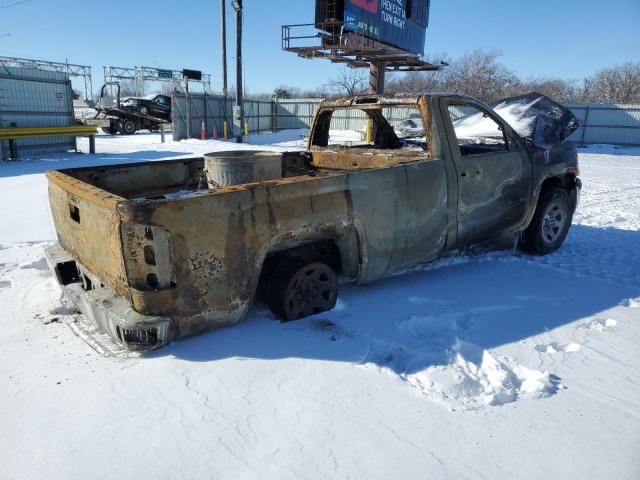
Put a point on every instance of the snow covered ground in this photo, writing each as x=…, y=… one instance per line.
x=484, y=365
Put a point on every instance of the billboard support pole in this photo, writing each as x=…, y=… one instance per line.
x=376, y=77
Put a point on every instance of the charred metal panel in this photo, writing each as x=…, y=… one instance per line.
x=141, y=180
x=219, y=246
x=88, y=226
x=494, y=189
x=422, y=223
x=148, y=257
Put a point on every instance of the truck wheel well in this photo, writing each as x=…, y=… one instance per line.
x=325, y=251
x=566, y=182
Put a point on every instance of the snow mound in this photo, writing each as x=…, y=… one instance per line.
x=559, y=348
x=476, y=378
x=632, y=303
x=471, y=378
x=601, y=324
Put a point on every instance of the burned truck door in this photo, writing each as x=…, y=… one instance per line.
x=421, y=214
x=493, y=168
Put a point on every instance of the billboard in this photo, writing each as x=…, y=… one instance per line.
x=400, y=23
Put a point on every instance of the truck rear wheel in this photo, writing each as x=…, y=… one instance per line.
x=299, y=289
x=550, y=225
x=110, y=130
x=127, y=127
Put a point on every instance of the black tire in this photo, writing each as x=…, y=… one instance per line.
x=110, y=130
x=299, y=289
x=550, y=225
x=127, y=127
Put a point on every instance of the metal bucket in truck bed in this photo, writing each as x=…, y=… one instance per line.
x=236, y=168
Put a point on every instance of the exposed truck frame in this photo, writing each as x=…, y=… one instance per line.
x=151, y=252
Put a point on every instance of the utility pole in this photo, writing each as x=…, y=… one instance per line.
x=238, y=112
x=223, y=14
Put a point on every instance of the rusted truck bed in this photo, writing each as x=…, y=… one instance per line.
x=186, y=257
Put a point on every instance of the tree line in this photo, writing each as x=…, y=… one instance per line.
x=481, y=74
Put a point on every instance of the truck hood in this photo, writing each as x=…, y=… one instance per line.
x=538, y=118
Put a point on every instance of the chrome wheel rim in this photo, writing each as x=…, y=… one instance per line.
x=553, y=222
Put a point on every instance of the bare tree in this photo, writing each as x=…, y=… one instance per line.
x=167, y=89
x=584, y=92
x=422, y=82
x=285, y=91
x=620, y=84
x=480, y=75
x=127, y=88
x=558, y=89
x=417, y=82
x=350, y=82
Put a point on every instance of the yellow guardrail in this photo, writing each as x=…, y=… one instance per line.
x=72, y=130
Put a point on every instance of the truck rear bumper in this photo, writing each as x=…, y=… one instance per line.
x=101, y=305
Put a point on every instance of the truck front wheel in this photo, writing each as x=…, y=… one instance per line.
x=299, y=289
x=550, y=225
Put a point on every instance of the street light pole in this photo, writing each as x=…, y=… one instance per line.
x=238, y=113
x=223, y=14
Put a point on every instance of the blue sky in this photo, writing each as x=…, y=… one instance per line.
x=565, y=38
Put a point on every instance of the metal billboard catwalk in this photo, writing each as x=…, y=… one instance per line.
x=330, y=41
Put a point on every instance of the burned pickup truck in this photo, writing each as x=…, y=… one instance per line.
x=152, y=252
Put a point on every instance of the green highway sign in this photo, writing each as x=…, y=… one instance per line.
x=165, y=74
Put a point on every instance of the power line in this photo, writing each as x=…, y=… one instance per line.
x=15, y=4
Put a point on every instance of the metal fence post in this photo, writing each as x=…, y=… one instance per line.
x=586, y=124
x=13, y=149
x=274, y=115
x=204, y=116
